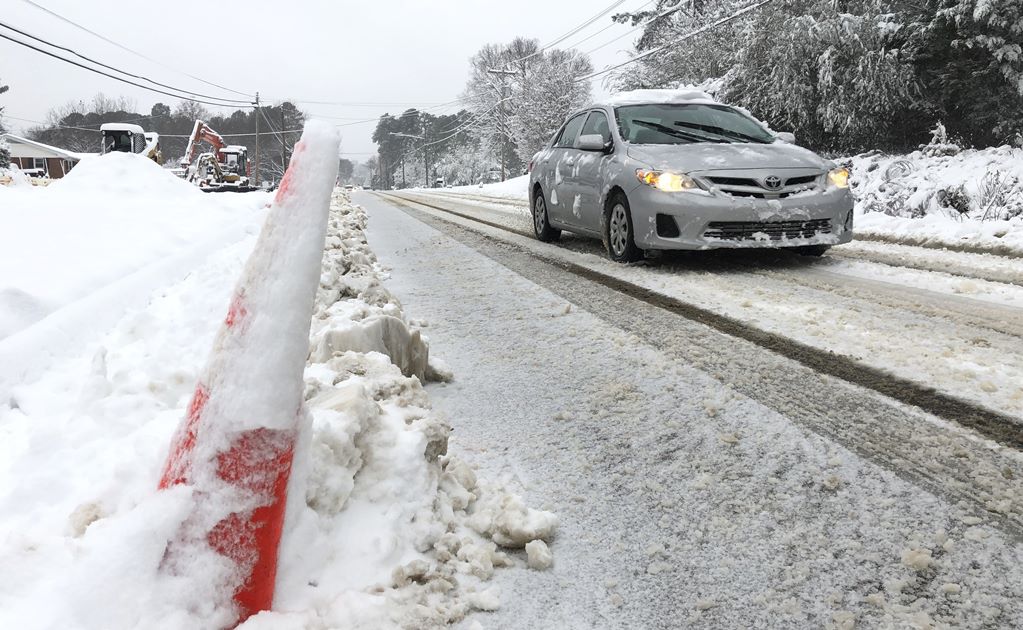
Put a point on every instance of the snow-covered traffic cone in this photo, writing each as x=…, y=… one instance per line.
x=236, y=443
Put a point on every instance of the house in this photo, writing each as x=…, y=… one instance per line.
x=44, y=160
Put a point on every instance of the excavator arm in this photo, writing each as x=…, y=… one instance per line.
x=202, y=132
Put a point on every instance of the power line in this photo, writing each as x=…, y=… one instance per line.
x=125, y=48
x=668, y=11
x=109, y=67
x=610, y=26
x=91, y=126
x=689, y=35
x=115, y=77
x=570, y=33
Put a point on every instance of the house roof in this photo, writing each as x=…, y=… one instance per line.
x=39, y=146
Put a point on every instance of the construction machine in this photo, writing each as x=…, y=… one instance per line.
x=128, y=138
x=226, y=168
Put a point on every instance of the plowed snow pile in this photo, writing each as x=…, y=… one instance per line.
x=384, y=527
x=112, y=216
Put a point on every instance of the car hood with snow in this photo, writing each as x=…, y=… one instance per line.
x=700, y=156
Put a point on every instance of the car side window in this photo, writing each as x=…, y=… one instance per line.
x=596, y=123
x=568, y=135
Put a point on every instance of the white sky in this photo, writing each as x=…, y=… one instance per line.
x=401, y=52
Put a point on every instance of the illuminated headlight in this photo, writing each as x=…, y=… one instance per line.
x=668, y=181
x=839, y=177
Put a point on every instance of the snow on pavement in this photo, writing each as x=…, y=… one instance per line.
x=911, y=335
x=681, y=501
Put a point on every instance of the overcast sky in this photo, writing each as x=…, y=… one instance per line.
x=400, y=52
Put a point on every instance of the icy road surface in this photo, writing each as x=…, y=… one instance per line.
x=700, y=480
x=962, y=334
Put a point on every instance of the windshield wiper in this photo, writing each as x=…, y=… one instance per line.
x=721, y=131
x=678, y=133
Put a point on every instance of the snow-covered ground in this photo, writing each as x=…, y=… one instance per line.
x=384, y=527
x=971, y=198
x=78, y=253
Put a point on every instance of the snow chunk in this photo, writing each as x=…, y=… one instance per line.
x=538, y=555
x=507, y=521
x=916, y=558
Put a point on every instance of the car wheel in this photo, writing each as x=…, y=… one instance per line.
x=541, y=222
x=619, y=235
x=812, y=250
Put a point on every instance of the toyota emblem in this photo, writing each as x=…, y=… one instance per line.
x=773, y=182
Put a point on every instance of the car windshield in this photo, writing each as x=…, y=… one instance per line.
x=686, y=123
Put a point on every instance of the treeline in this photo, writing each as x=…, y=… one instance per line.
x=848, y=75
x=75, y=127
x=516, y=97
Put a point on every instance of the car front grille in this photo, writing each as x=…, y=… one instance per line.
x=752, y=188
x=795, y=181
x=774, y=230
x=734, y=181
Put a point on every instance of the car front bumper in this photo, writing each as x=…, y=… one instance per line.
x=718, y=220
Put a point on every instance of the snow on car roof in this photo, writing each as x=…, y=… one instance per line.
x=641, y=97
x=121, y=127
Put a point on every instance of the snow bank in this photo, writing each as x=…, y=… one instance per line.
x=384, y=528
x=117, y=224
x=943, y=197
x=515, y=188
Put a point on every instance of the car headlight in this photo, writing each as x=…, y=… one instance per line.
x=668, y=181
x=839, y=177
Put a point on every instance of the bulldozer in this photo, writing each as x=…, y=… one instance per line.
x=128, y=138
x=226, y=168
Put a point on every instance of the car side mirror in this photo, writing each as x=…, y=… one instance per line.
x=786, y=136
x=591, y=142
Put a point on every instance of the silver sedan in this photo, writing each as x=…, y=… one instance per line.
x=664, y=169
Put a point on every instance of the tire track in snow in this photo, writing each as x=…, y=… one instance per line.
x=826, y=393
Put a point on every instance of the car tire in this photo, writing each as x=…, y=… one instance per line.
x=619, y=234
x=541, y=220
x=812, y=250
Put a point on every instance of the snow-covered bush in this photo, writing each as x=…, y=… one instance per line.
x=941, y=179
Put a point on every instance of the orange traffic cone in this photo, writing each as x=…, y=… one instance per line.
x=236, y=443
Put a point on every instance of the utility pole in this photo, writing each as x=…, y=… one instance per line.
x=503, y=117
x=257, y=139
x=284, y=147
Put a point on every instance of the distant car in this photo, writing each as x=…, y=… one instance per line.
x=668, y=169
x=438, y=183
x=349, y=187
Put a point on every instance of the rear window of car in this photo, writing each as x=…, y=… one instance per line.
x=687, y=123
x=568, y=135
